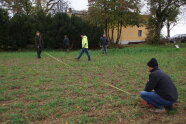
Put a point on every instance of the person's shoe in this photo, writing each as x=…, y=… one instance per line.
x=169, y=107
x=76, y=59
x=158, y=110
x=145, y=104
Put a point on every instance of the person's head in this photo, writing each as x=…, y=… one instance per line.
x=104, y=35
x=66, y=36
x=82, y=34
x=152, y=64
x=37, y=33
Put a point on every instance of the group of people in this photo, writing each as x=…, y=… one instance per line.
x=39, y=43
x=160, y=93
x=66, y=44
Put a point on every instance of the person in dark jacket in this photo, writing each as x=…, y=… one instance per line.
x=160, y=91
x=38, y=44
x=66, y=43
x=104, y=44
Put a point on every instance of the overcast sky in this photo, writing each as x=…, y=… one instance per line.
x=83, y=5
x=79, y=4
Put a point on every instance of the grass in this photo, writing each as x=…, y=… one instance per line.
x=45, y=91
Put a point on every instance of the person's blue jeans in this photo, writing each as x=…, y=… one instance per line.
x=154, y=99
x=82, y=51
x=104, y=49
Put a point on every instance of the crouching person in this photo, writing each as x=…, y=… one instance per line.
x=160, y=92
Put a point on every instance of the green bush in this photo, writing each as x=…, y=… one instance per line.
x=18, y=32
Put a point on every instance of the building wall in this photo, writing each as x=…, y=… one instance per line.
x=130, y=34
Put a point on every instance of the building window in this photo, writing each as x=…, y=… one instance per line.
x=139, y=33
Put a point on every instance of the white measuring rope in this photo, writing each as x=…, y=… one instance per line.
x=70, y=66
x=56, y=59
x=119, y=89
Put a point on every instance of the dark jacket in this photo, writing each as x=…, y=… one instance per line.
x=66, y=41
x=38, y=41
x=161, y=83
x=103, y=41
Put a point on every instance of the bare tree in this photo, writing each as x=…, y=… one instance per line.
x=17, y=6
x=62, y=6
x=160, y=12
x=182, y=16
x=53, y=6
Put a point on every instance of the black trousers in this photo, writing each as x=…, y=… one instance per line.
x=66, y=47
x=39, y=50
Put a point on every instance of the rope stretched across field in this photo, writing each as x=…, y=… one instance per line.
x=118, y=89
x=57, y=59
x=104, y=83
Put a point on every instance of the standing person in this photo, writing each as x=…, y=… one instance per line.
x=66, y=43
x=38, y=44
x=164, y=94
x=104, y=44
x=84, y=47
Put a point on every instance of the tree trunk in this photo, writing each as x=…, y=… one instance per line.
x=119, y=32
x=112, y=34
x=106, y=27
x=108, y=32
x=157, y=34
x=159, y=26
x=168, y=29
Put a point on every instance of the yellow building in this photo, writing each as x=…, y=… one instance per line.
x=132, y=34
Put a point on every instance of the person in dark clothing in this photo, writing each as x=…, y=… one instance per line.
x=104, y=44
x=164, y=94
x=66, y=43
x=38, y=44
